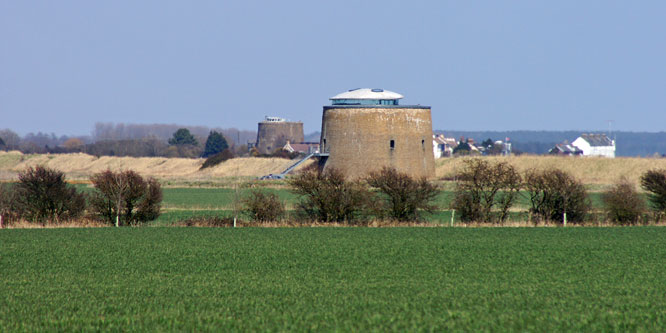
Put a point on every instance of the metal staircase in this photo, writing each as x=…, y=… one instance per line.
x=293, y=166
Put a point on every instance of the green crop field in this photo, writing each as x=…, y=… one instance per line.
x=349, y=279
x=193, y=197
x=187, y=202
x=222, y=198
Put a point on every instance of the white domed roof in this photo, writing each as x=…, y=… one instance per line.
x=367, y=93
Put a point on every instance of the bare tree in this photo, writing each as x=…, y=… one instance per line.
x=403, y=196
x=555, y=195
x=486, y=191
x=654, y=182
x=125, y=198
x=623, y=204
x=263, y=206
x=42, y=194
x=11, y=139
x=328, y=196
x=7, y=206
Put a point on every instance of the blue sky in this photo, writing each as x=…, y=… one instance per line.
x=481, y=65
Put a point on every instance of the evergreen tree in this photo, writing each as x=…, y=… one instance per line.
x=462, y=147
x=214, y=144
x=183, y=137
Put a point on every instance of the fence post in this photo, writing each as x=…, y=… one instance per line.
x=565, y=218
x=453, y=215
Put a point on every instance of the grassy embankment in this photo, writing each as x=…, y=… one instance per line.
x=181, y=171
x=349, y=279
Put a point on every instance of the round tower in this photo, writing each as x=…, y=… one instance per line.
x=274, y=132
x=365, y=130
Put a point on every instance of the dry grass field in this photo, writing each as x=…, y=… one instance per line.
x=592, y=171
x=82, y=166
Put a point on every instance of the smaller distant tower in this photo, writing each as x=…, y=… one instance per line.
x=274, y=132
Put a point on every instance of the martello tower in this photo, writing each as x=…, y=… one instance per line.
x=274, y=132
x=365, y=130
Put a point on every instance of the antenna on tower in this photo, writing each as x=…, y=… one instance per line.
x=610, y=131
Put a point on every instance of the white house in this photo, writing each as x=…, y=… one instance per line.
x=595, y=145
x=303, y=147
x=443, y=146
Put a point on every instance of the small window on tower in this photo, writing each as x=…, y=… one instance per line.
x=392, y=144
x=423, y=144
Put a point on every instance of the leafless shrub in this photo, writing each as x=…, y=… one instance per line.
x=125, y=198
x=554, y=192
x=623, y=204
x=262, y=206
x=7, y=209
x=486, y=191
x=42, y=195
x=654, y=182
x=402, y=197
x=329, y=197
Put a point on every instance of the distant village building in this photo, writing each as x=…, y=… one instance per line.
x=474, y=148
x=303, y=147
x=497, y=147
x=274, y=132
x=365, y=130
x=506, y=147
x=566, y=149
x=443, y=146
x=595, y=145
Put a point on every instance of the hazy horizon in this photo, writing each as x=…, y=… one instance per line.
x=482, y=66
x=307, y=133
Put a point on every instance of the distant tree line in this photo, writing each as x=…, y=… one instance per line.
x=134, y=140
x=152, y=140
x=120, y=131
